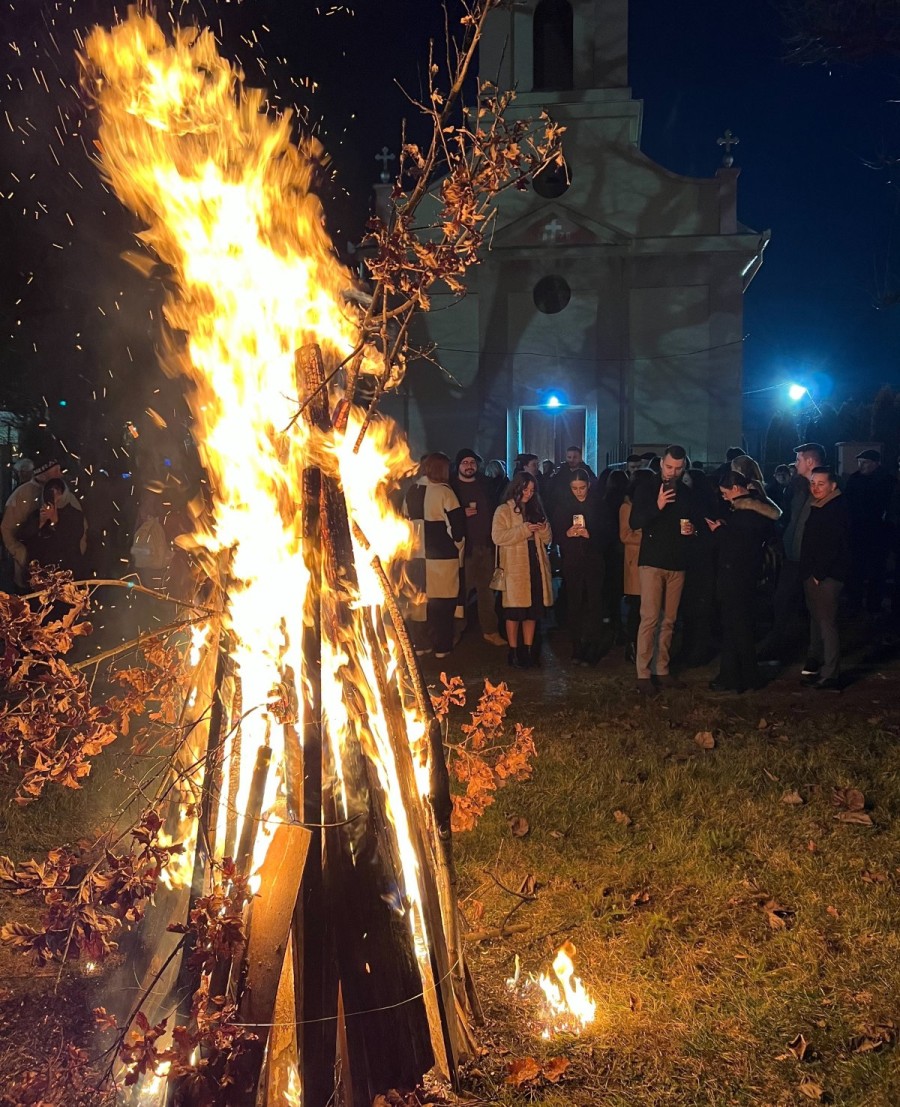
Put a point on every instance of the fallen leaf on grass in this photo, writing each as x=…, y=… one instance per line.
x=622, y=818
x=527, y=886
x=771, y=776
x=799, y=1047
x=810, y=1089
x=875, y=1037
x=778, y=917
x=554, y=1068
x=811, y=846
x=833, y=911
x=635, y=1003
x=523, y=1070
x=874, y=878
x=638, y=899
x=762, y=724
x=477, y=910
x=851, y=798
x=793, y=798
x=859, y=818
x=557, y=834
x=705, y=739
x=518, y=825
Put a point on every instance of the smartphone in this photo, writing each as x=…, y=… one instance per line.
x=577, y=520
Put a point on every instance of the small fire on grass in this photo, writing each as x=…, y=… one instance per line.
x=567, y=1007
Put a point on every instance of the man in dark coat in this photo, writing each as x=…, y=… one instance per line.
x=477, y=498
x=869, y=491
x=665, y=512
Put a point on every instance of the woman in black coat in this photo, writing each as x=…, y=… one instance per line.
x=740, y=539
x=53, y=534
x=582, y=529
x=824, y=566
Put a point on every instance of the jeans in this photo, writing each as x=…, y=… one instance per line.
x=824, y=643
x=660, y=595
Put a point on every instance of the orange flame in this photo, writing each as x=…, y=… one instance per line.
x=226, y=201
x=570, y=1006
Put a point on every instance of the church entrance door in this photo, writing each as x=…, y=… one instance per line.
x=548, y=432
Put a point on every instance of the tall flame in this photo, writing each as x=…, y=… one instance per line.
x=225, y=198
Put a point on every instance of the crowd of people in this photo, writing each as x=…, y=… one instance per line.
x=661, y=558
x=658, y=557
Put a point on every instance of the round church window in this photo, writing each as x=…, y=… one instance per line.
x=551, y=294
x=552, y=181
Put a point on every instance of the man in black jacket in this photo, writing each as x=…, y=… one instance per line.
x=476, y=497
x=664, y=511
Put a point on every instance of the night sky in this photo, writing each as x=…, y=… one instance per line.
x=700, y=66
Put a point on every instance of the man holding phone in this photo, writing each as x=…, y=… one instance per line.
x=476, y=495
x=663, y=510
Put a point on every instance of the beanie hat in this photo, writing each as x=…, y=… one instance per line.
x=463, y=454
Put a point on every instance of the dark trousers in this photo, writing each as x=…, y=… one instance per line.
x=439, y=621
x=737, y=667
x=584, y=593
x=824, y=642
x=697, y=613
x=869, y=571
x=786, y=603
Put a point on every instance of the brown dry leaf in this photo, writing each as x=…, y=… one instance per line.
x=875, y=1037
x=762, y=724
x=554, y=1068
x=810, y=1089
x=793, y=798
x=874, y=878
x=622, y=818
x=778, y=917
x=705, y=739
x=518, y=825
x=477, y=910
x=523, y=1070
x=635, y=1003
x=859, y=818
x=851, y=798
x=638, y=899
x=799, y=1047
x=811, y=846
x=833, y=911
x=527, y=886
x=557, y=834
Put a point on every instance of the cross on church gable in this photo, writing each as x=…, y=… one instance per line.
x=553, y=231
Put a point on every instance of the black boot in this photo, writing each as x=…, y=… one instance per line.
x=534, y=655
x=512, y=659
x=523, y=656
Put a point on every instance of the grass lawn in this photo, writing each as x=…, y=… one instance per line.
x=734, y=909
x=740, y=937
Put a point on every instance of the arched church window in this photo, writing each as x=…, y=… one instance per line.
x=551, y=294
x=552, y=181
x=553, y=45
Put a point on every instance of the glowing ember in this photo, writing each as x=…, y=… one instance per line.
x=570, y=1006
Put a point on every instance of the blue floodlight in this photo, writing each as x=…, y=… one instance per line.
x=553, y=401
x=63, y=403
x=797, y=392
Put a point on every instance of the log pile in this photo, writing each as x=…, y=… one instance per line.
x=352, y=981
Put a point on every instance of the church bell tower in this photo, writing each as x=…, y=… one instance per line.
x=546, y=46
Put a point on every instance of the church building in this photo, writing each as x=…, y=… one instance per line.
x=607, y=311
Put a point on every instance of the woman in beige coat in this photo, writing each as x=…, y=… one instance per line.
x=521, y=532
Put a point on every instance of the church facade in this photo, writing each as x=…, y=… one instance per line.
x=608, y=309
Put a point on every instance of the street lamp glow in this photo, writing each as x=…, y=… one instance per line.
x=797, y=392
x=553, y=401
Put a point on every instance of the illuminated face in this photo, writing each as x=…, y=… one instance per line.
x=806, y=463
x=672, y=468
x=579, y=490
x=532, y=467
x=867, y=467
x=573, y=458
x=527, y=492
x=468, y=467
x=820, y=486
